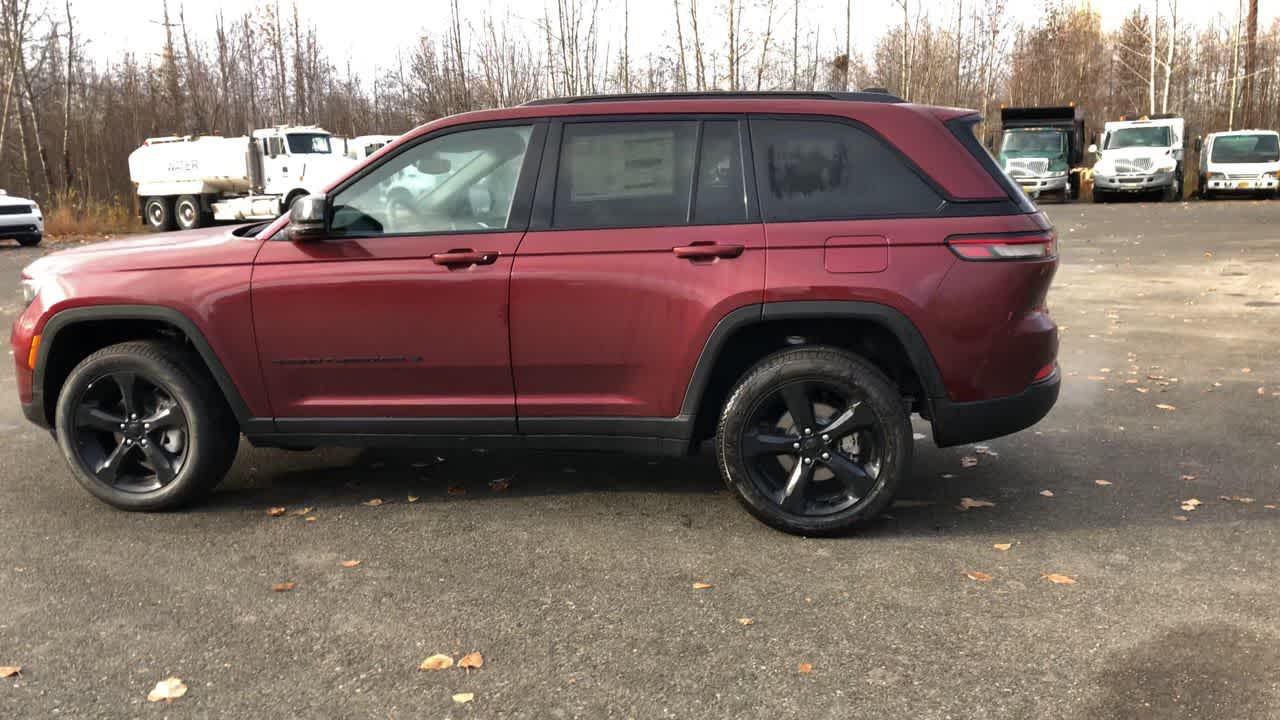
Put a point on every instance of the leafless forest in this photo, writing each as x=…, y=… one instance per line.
x=69, y=122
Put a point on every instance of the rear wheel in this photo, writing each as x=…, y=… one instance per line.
x=143, y=426
x=188, y=213
x=158, y=212
x=814, y=441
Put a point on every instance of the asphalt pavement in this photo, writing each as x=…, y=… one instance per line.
x=573, y=574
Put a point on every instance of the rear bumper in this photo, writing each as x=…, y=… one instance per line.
x=955, y=423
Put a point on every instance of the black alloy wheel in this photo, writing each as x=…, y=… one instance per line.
x=130, y=433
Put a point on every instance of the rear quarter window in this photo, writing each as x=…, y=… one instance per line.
x=831, y=170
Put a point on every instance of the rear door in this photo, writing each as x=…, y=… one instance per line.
x=644, y=235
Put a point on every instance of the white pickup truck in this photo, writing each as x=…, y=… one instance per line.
x=1140, y=156
x=1239, y=162
x=191, y=181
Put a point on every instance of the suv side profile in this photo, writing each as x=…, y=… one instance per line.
x=790, y=275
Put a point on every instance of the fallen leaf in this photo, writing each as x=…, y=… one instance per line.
x=967, y=502
x=985, y=450
x=350, y=563
x=499, y=485
x=805, y=668
x=1102, y=483
x=1002, y=546
x=701, y=586
x=1096, y=377
x=471, y=661
x=413, y=498
x=1190, y=504
x=1180, y=518
x=275, y=512
x=978, y=575
x=968, y=461
x=285, y=586
x=463, y=698
x=746, y=621
x=1189, y=477
x=1047, y=493
x=1143, y=390
x=1057, y=579
x=437, y=662
x=1262, y=391
x=1246, y=371
x=1166, y=406
x=457, y=490
x=375, y=502
x=1236, y=498
x=1269, y=507
x=303, y=512
x=10, y=671
x=168, y=690
x=311, y=518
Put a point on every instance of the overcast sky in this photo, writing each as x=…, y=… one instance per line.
x=370, y=31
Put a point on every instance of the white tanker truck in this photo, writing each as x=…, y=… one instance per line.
x=190, y=181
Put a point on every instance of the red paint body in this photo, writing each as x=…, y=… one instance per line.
x=582, y=323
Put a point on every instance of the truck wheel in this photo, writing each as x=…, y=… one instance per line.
x=1099, y=196
x=187, y=212
x=143, y=426
x=814, y=441
x=158, y=212
x=1173, y=193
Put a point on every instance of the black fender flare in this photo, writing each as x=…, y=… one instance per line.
x=65, y=319
x=895, y=322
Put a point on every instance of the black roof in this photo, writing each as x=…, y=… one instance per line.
x=866, y=96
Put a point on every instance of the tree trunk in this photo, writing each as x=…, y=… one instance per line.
x=697, y=46
x=67, y=175
x=682, y=79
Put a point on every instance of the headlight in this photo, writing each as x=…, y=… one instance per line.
x=30, y=288
x=1167, y=166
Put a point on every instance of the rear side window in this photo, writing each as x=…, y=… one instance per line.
x=828, y=170
x=721, y=194
x=625, y=174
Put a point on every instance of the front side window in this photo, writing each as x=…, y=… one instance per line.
x=1151, y=136
x=308, y=143
x=1245, y=149
x=463, y=181
x=625, y=174
x=827, y=170
x=1034, y=141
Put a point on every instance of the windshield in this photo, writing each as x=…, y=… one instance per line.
x=1033, y=141
x=1245, y=149
x=305, y=143
x=1156, y=136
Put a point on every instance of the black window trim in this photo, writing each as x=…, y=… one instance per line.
x=521, y=201
x=543, y=219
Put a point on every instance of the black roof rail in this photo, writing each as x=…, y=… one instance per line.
x=866, y=96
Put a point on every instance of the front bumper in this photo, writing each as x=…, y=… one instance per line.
x=1133, y=183
x=1033, y=185
x=1267, y=182
x=956, y=423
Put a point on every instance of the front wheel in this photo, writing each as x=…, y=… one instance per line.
x=30, y=240
x=1173, y=193
x=814, y=441
x=143, y=426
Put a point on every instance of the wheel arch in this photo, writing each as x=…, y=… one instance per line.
x=72, y=335
x=882, y=334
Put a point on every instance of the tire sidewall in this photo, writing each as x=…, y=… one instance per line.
x=839, y=369
x=181, y=387
x=166, y=213
x=195, y=212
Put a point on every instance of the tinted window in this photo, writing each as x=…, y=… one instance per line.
x=1245, y=149
x=457, y=182
x=721, y=196
x=825, y=170
x=625, y=174
x=306, y=143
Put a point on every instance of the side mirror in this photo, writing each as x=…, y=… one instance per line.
x=309, y=218
x=1093, y=148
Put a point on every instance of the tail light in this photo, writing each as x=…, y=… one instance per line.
x=1036, y=246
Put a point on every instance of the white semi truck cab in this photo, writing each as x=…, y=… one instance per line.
x=190, y=181
x=1140, y=156
x=1239, y=162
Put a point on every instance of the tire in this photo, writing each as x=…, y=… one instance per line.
x=758, y=458
x=1173, y=193
x=1099, y=196
x=158, y=212
x=1205, y=192
x=30, y=240
x=176, y=416
x=187, y=212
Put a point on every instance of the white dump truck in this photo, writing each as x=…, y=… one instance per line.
x=1239, y=162
x=191, y=181
x=1140, y=155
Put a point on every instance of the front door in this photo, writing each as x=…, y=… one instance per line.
x=396, y=321
x=642, y=240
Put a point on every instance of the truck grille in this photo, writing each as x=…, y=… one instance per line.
x=1244, y=176
x=1026, y=166
x=17, y=209
x=1134, y=165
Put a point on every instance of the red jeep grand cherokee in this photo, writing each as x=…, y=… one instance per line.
x=791, y=274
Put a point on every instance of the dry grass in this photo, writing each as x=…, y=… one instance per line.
x=93, y=219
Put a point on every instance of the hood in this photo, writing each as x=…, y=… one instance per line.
x=6, y=200
x=207, y=247
x=1136, y=152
